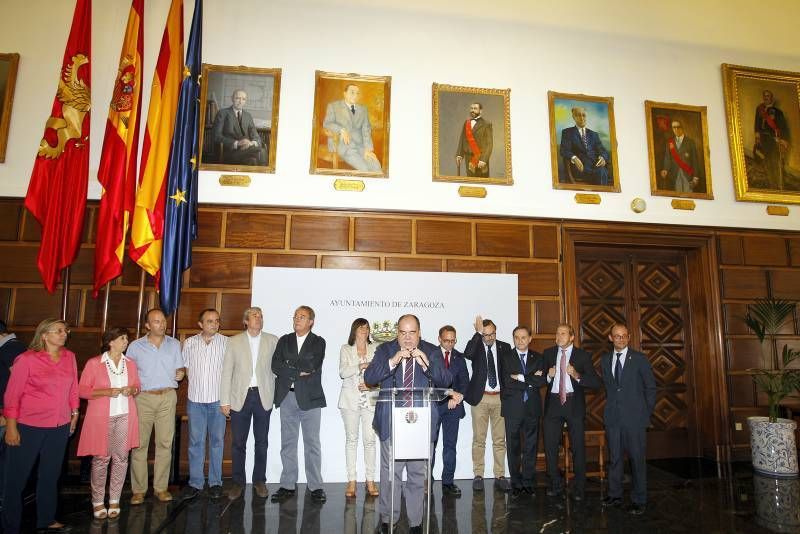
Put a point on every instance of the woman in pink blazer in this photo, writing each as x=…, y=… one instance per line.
x=111, y=426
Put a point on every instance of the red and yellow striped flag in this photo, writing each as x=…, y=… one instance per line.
x=117, y=172
x=147, y=228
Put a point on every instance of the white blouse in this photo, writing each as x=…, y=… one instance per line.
x=118, y=376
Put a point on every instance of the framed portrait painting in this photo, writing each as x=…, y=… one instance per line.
x=471, y=135
x=677, y=148
x=763, y=111
x=239, y=118
x=350, y=126
x=8, y=79
x=583, y=142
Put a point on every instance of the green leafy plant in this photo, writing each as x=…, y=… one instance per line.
x=765, y=318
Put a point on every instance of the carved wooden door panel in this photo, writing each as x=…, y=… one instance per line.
x=646, y=290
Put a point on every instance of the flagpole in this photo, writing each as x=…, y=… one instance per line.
x=141, y=303
x=104, y=322
x=65, y=293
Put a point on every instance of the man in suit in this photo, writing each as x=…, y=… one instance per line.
x=451, y=410
x=475, y=142
x=247, y=388
x=297, y=363
x=523, y=370
x=570, y=372
x=585, y=158
x=681, y=167
x=235, y=130
x=772, y=139
x=405, y=362
x=349, y=120
x=483, y=393
x=630, y=399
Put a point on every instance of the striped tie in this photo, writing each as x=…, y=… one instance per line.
x=408, y=382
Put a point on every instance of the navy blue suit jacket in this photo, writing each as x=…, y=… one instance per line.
x=458, y=368
x=571, y=145
x=631, y=403
x=379, y=373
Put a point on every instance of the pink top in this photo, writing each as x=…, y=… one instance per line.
x=42, y=392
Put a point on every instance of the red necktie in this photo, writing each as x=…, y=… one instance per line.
x=562, y=380
x=447, y=359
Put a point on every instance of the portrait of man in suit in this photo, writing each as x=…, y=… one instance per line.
x=583, y=142
x=475, y=143
x=680, y=161
x=236, y=132
x=348, y=119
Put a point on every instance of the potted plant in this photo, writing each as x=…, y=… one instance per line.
x=772, y=441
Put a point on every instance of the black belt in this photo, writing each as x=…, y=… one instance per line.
x=559, y=394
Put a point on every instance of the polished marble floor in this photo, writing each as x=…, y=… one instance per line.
x=684, y=496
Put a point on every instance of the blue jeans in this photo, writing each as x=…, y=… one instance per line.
x=205, y=419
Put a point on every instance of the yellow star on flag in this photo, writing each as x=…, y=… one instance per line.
x=178, y=197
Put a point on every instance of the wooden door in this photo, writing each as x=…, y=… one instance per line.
x=645, y=289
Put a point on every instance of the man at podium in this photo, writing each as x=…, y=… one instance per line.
x=407, y=362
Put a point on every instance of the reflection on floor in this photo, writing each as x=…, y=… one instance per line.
x=684, y=496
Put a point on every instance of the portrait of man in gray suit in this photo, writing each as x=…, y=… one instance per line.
x=349, y=121
x=235, y=130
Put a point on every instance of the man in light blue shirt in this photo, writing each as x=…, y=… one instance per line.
x=160, y=365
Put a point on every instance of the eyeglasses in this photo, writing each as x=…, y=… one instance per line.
x=620, y=336
x=59, y=331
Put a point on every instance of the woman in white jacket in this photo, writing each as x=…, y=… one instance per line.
x=357, y=404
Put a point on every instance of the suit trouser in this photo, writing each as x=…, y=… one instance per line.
x=522, y=442
x=412, y=490
x=555, y=417
x=292, y=419
x=156, y=411
x=488, y=411
x=633, y=441
x=353, y=421
x=448, y=424
x=48, y=446
x=252, y=409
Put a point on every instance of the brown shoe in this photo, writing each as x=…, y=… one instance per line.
x=372, y=489
x=261, y=489
x=137, y=498
x=235, y=492
x=350, y=489
x=164, y=496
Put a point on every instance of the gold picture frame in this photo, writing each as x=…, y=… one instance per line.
x=350, y=125
x=601, y=138
x=762, y=107
x=454, y=107
x=677, y=150
x=239, y=142
x=9, y=63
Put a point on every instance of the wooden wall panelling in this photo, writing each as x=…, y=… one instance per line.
x=122, y=307
x=10, y=213
x=33, y=304
x=547, y=314
x=545, y=241
x=764, y=250
x=209, y=228
x=286, y=260
x=320, y=232
x=536, y=279
x=351, y=262
x=255, y=230
x=412, y=264
x=794, y=251
x=220, y=269
x=510, y=240
x=192, y=303
x=231, y=312
x=18, y=264
x=785, y=283
x=730, y=249
x=5, y=304
x=443, y=237
x=524, y=314
x=473, y=266
x=743, y=283
x=375, y=234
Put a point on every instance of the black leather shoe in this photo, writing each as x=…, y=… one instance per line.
x=555, y=492
x=415, y=530
x=611, y=502
x=516, y=493
x=451, y=489
x=215, y=492
x=318, y=495
x=502, y=484
x=189, y=492
x=637, y=509
x=282, y=494
x=477, y=484
x=529, y=491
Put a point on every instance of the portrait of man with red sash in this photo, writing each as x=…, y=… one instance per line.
x=475, y=143
x=771, y=139
x=681, y=168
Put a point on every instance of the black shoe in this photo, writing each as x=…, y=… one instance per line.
x=318, y=495
x=282, y=494
x=529, y=491
x=451, y=489
x=577, y=496
x=189, y=493
x=415, y=530
x=555, y=492
x=637, y=509
x=502, y=484
x=516, y=493
x=215, y=492
x=58, y=530
x=611, y=502
x=385, y=528
x=477, y=484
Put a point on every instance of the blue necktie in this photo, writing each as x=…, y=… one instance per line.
x=618, y=370
x=492, y=370
x=524, y=371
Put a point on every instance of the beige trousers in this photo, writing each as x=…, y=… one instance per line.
x=353, y=421
x=155, y=412
x=485, y=413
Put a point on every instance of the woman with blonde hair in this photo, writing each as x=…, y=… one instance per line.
x=356, y=404
x=41, y=410
x=111, y=426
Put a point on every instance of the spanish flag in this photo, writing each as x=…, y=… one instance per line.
x=60, y=177
x=117, y=172
x=147, y=228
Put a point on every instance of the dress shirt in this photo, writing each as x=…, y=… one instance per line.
x=116, y=405
x=204, y=366
x=300, y=341
x=623, y=355
x=255, y=345
x=488, y=388
x=156, y=365
x=678, y=143
x=41, y=392
x=556, y=379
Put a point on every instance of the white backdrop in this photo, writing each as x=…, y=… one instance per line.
x=340, y=296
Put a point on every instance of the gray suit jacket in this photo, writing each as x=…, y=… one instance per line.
x=338, y=117
x=226, y=129
x=237, y=370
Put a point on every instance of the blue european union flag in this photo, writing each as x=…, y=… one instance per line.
x=180, y=224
